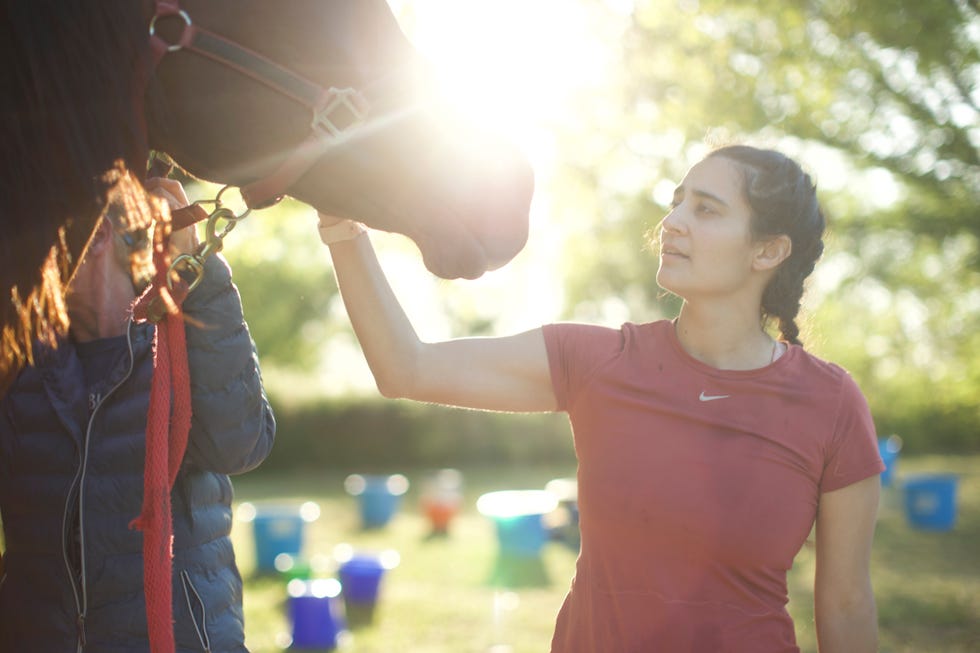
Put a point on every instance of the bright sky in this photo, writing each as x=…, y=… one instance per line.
x=478, y=48
x=541, y=53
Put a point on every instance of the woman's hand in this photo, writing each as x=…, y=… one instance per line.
x=182, y=241
x=337, y=230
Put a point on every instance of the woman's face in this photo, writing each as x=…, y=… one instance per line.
x=706, y=248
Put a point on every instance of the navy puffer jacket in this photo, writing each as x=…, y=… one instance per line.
x=71, y=481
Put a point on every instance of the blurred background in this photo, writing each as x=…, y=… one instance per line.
x=612, y=100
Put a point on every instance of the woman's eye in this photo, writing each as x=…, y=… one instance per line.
x=706, y=210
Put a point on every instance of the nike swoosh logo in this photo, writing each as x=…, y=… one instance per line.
x=704, y=397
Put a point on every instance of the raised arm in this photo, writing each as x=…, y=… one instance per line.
x=506, y=373
x=844, y=604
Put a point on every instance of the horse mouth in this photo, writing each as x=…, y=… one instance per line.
x=465, y=241
x=484, y=230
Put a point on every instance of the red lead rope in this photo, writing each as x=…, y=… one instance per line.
x=167, y=426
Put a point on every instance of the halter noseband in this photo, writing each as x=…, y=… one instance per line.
x=327, y=106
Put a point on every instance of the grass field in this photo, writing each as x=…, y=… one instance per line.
x=443, y=596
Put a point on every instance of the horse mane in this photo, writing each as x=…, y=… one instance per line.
x=73, y=140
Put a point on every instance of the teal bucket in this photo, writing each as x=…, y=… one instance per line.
x=519, y=519
x=930, y=501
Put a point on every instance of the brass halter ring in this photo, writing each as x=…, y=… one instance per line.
x=192, y=265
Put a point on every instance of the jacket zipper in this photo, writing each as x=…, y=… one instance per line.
x=201, y=626
x=79, y=587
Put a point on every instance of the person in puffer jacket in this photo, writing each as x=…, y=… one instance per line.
x=72, y=446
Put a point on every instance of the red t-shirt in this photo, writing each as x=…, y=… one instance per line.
x=696, y=487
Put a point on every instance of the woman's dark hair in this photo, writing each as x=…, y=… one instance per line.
x=783, y=199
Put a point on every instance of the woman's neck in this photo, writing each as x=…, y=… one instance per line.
x=723, y=338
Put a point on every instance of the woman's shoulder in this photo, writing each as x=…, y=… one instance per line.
x=627, y=335
x=817, y=372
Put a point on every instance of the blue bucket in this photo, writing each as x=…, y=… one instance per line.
x=888, y=448
x=930, y=501
x=378, y=497
x=316, y=613
x=277, y=530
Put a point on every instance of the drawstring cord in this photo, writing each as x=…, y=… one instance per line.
x=167, y=427
x=168, y=419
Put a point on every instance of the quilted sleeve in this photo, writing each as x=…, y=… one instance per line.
x=232, y=426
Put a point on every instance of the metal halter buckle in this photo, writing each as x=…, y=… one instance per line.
x=341, y=98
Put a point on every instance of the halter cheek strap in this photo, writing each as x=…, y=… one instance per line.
x=333, y=110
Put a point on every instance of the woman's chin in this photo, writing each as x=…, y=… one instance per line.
x=665, y=281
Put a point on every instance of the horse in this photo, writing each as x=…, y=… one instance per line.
x=326, y=101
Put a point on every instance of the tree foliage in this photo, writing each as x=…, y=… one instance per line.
x=283, y=274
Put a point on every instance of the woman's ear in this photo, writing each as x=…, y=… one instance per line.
x=101, y=238
x=772, y=252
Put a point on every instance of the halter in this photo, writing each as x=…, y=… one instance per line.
x=333, y=110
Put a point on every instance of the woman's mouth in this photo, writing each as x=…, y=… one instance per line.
x=670, y=252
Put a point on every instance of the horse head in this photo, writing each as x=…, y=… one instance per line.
x=404, y=163
x=82, y=107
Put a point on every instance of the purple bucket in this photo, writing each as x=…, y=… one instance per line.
x=360, y=577
x=316, y=614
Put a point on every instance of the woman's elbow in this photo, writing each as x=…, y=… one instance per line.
x=388, y=389
x=847, y=597
x=398, y=377
x=394, y=384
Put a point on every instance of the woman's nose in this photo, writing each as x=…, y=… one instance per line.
x=673, y=222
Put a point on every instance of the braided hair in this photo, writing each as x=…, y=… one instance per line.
x=783, y=201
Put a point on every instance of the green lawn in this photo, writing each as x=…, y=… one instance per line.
x=445, y=596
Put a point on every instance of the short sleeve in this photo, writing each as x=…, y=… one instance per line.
x=853, y=453
x=575, y=352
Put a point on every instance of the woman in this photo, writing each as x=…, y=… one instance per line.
x=707, y=449
x=72, y=452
